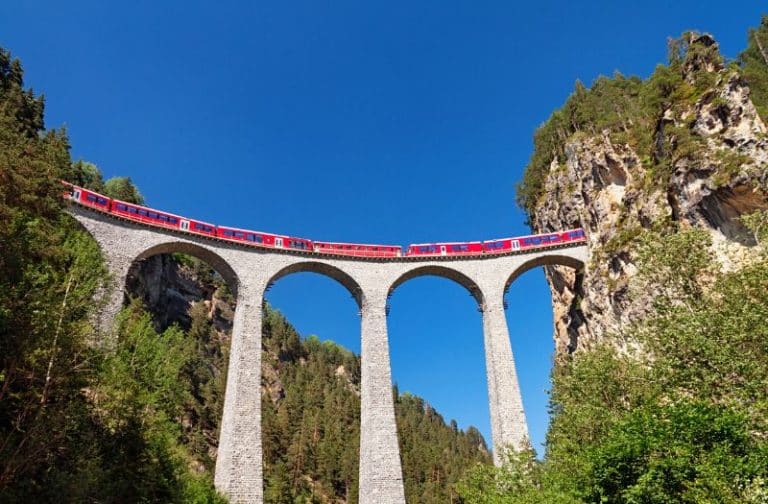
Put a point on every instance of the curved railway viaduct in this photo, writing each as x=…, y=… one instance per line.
x=249, y=271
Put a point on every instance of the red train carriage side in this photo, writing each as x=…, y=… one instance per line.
x=291, y=242
x=154, y=217
x=87, y=197
x=146, y=215
x=358, y=249
x=550, y=239
x=445, y=249
x=501, y=245
x=533, y=241
x=256, y=238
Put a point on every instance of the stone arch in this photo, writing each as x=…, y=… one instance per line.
x=341, y=276
x=544, y=260
x=205, y=254
x=443, y=272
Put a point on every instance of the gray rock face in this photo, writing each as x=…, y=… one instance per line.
x=604, y=187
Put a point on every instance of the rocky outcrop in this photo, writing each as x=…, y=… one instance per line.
x=612, y=191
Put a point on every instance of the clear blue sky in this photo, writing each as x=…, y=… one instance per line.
x=392, y=122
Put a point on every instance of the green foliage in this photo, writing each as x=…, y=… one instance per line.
x=754, y=64
x=138, y=398
x=76, y=425
x=694, y=452
x=88, y=175
x=122, y=188
x=517, y=481
x=757, y=222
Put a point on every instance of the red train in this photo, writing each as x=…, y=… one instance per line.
x=166, y=220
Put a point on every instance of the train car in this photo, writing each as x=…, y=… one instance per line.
x=550, y=239
x=154, y=217
x=358, y=249
x=501, y=245
x=445, y=249
x=87, y=197
x=293, y=243
x=247, y=236
x=146, y=215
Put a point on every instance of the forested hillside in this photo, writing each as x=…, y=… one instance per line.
x=660, y=385
x=139, y=422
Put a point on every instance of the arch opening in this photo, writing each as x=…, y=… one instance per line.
x=438, y=366
x=193, y=288
x=443, y=272
x=539, y=330
x=326, y=270
x=204, y=254
x=311, y=375
x=544, y=260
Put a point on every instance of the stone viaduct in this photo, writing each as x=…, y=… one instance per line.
x=249, y=271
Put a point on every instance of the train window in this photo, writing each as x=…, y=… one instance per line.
x=142, y=212
x=152, y=215
x=122, y=207
x=527, y=241
x=102, y=201
x=226, y=232
x=239, y=235
x=163, y=218
x=132, y=210
x=173, y=220
x=91, y=197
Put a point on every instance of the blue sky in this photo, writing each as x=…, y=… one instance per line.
x=389, y=122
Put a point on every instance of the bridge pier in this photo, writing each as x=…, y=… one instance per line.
x=239, y=459
x=508, y=426
x=381, y=475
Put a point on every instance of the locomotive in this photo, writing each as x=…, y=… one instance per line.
x=152, y=217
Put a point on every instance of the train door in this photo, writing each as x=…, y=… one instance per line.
x=76, y=194
x=184, y=225
x=515, y=245
x=279, y=242
x=442, y=250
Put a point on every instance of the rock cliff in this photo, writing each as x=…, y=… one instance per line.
x=706, y=166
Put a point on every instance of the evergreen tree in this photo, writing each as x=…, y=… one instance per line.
x=122, y=188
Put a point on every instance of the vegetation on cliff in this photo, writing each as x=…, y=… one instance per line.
x=639, y=112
